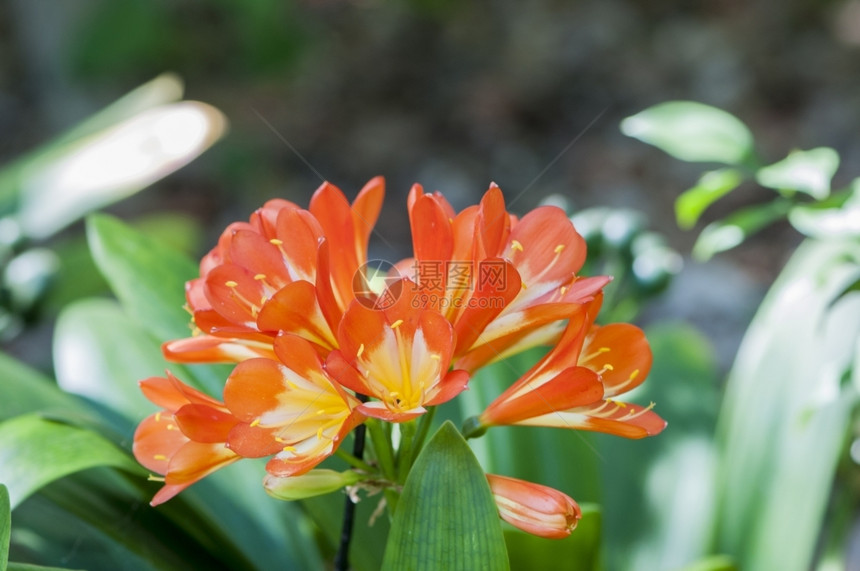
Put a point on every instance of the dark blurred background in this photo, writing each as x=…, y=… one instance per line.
x=452, y=95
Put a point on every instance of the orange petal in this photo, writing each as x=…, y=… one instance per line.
x=365, y=210
x=621, y=354
x=210, y=349
x=253, y=441
x=202, y=423
x=294, y=309
x=545, y=247
x=253, y=388
x=572, y=387
x=191, y=463
x=432, y=239
x=156, y=439
x=449, y=387
x=493, y=224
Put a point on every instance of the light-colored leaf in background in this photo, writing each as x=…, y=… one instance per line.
x=809, y=172
x=829, y=221
x=5, y=526
x=100, y=353
x=692, y=131
x=115, y=163
x=712, y=186
x=786, y=412
x=730, y=232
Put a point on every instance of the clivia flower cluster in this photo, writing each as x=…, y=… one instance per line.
x=313, y=359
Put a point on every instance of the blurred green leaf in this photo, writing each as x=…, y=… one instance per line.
x=713, y=563
x=5, y=526
x=113, y=164
x=101, y=354
x=731, y=231
x=803, y=171
x=786, y=412
x=35, y=451
x=712, y=186
x=446, y=517
x=579, y=552
x=692, y=131
x=163, y=89
x=149, y=279
x=666, y=480
x=24, y=390
x=28, y=567
x=837, y=217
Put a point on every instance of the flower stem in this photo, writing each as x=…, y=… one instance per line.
x=341, y=558
x=354, y=462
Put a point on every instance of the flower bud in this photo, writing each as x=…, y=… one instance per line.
x=536, y=509
x=313, y=483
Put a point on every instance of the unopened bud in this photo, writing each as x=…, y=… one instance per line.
x=536, y=509
x=313, y=483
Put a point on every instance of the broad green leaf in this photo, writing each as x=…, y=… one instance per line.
x=28, y=567
x=579, y=552
x=5, y=525
x=712, y=186
x=780, y=434
x=24, y=390
x=35, y=451
x=692, y=131
x=802, y=171
x=149, y=280
x=446, y=517
x=733, y=230
x=713, y=563
x=100, y=354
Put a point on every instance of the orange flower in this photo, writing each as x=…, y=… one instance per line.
x=187, y=440
x=521, y=280
x=572, y=386
x=291, y=408
x=539, y=510
x=399, y=355
x=274, y=274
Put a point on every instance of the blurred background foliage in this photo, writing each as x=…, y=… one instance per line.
x=455, y=95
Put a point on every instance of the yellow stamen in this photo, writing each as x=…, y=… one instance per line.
x=397, y=324
x=154, y=478
x=260, y=277
x=276, y=242
x=360, y=350
x=230, y=283
x=158, y=416
x=559, y=248
x=515, y=245
x=279, y=440
x=159, y=457
x=289, y=448
x=171, y=427
x=634, y=374
x=436, y=356
x=563, y=290
x=255, y=422
x=608, y=367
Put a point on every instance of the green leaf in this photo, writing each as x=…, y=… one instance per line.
x=713, y=563
x=786, y=412
x=35, y=451
x=692, y=131
x=733, y=230
x=28, y=567
x=802, y=171
x=5, y=525
x=836, y=217
x=24, y=390
x=712, y=186
x=446, y=517
x=149, y=279
x=101, y=354
x=579, y=552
